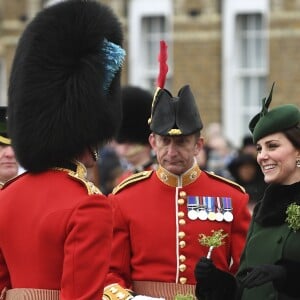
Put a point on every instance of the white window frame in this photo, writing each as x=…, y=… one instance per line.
x=138, y=10
x=48, y=3
x=232, y=108
x=3, y=83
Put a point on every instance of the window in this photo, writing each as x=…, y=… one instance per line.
x=3, y=87
x=245, y=64
x=149, y=22
x=46, y=3
x=153, y=31
x=251, y=67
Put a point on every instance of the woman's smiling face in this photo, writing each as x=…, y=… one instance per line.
x=277, y=156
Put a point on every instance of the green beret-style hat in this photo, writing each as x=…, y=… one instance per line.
x=275, y=120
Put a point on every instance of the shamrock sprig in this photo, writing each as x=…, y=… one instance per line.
x=184, y=297
x=293, y=216
x=212, y=241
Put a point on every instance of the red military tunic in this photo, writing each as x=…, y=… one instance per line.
x=55, y=233
x=155, y=241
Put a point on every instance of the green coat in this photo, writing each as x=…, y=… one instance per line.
x=270, y=240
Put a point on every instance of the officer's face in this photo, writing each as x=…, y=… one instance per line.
x=8, y=163
x=176, y=153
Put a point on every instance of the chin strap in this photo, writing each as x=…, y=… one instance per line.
x=94, y=152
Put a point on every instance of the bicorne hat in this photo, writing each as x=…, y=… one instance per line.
x=64, y=90
x=173, y=115
x=274, y=120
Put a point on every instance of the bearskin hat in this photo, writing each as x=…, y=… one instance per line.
x=64, y=89
x=136, y=103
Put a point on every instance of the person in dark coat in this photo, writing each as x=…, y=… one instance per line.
x=270, y=263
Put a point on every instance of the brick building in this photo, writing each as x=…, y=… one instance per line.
x=229, y=51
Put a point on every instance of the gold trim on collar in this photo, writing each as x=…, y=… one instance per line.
x=176, y=181
x=80, y=175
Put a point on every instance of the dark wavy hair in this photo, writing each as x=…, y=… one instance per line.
x=293, y=135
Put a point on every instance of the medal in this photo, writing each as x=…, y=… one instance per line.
x=227, y=207
x=211, y=216
x=211, y=208
x=192, y=205
x=219, y=214
x=192, y=214
x=202, y=214
x=219, y=217
x=228, y=216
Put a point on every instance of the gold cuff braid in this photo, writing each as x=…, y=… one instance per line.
x=116, y=292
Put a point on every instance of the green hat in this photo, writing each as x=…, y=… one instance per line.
x=275, y=120
x=4, y=140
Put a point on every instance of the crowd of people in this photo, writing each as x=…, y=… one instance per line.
x=126, y=192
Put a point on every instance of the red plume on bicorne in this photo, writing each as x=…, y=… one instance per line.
x=163, y=67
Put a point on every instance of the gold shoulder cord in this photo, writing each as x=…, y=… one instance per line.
x=131, y=179
x=116, y=292
x=228, y=181
x=80, y=175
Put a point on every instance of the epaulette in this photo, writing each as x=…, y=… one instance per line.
x=80, y=176
x=90, y=187
x=227, y=180
x=131, y=179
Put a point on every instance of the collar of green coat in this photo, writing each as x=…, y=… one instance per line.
x=271, y=210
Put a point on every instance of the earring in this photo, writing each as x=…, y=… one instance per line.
x=298, y=162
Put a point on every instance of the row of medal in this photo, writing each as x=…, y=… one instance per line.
x=209, y=208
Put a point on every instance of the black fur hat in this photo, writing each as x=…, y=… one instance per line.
x=62, y=95
x=136, y=104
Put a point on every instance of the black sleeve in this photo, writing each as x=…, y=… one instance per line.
x=290, y=286
x=224, y=288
